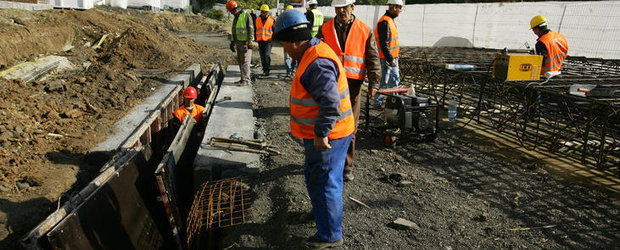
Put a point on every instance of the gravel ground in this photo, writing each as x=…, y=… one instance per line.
x=464, y=191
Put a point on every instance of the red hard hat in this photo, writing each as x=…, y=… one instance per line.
x=190, y=92
x=231, y=5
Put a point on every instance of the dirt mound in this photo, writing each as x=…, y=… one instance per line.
x=47, y=126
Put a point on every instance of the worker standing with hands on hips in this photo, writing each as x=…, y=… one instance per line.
x=356, y=48
x=386, y=35
x=264, y=32
x=242, y=40
x=551, y=45
x=314, y=16
x=320, y=115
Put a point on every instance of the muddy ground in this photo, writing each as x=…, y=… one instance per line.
x=466, y=191
x=47, y=126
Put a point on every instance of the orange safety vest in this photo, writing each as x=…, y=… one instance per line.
x=557, y=50
x=304, y=109
x=354, y=55
x=181, y=112
x=264, y=31
x=394, y=42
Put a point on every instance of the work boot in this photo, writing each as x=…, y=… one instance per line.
x=348, y=175
x=312, y=243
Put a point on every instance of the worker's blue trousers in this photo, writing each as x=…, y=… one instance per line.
x=323, y=171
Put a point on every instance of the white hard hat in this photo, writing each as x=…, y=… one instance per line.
x=342, y=3
x=312, y=2
x=395, y=2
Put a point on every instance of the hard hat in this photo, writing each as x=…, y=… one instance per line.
x=231, y=5
x=395, y=2
x=190, y=92
x=311, y=2
x=537, y=20
x=289, y=7
x=342, y=3
x=288, y=19
x=264, y=7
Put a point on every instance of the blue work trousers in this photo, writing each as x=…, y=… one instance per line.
x=323, y=172
x=289, y=63
x=264, y=49
x=390, y=78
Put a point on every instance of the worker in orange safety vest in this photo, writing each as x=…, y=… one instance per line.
x=386, y=35
x=264, y=31
x=189, y=107
x=552, y=45
x=355, y=46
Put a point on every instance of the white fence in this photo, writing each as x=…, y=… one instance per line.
x=591, y=28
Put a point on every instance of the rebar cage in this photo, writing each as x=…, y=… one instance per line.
x=538, y=114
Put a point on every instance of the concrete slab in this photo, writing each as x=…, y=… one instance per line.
x=24, y=6
x=142, y=113
x=232, y=114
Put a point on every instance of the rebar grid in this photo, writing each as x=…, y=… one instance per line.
x=538, y=114
x=218, y=204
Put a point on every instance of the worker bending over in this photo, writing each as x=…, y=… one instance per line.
x=551, y=45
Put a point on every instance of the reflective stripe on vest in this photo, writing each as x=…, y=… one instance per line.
x=182, y=112
x=318, y=21
x=557, y=50
x=263, y=31
x=353, y=57
x=304, y=109
x=394, y=43
x=240, y=29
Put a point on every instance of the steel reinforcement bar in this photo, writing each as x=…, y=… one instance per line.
x=541, y=114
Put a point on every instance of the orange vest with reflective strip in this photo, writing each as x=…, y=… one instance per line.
x=355, y=47
x=263, y=31
x=304, y=109
x=557, y=50
x=181, y=112
x=394, y=42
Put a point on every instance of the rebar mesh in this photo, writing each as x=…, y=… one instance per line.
x=217, y=204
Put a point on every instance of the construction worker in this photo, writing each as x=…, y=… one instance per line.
x=189, y=107
x=289, y=64
x=550, y=44
x=314, y=16
x=320, y=115
x=386, y=35
x=355, y=45
x=242, y=40
x=264, y=31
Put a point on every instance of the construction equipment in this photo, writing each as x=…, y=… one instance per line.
x=517, y=67
x=259, y=146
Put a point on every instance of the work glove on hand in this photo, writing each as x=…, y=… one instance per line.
x=232, y=46
x=253, y=45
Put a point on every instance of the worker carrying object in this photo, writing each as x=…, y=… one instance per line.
x=386, y=35
x=189, y=107
x=355, y=46
x=321, y=115
x=314, y=16
x=552, y=45
x=264, y=32
x=242, y=40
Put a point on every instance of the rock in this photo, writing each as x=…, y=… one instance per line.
x=4, y=189
x=23, y=185
x=52, y=115
x=18, y=130
x=74, y=113
x=81, y=80
x=405, y=183
x=56, y=85
x=403, y=224
x=110, y=75
x=374, y=151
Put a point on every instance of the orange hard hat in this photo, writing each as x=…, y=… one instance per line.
x=231, y=5
x=190, y=92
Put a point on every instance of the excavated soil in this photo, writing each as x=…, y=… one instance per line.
x=47, y=126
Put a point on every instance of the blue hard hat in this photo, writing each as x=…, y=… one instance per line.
x=289, y=18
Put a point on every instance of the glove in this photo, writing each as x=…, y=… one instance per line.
x=253, y=45
x=232, y=46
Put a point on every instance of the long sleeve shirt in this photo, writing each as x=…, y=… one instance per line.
x=373, y=66
x=321, y=80
x=249, y=24
x=383, y=28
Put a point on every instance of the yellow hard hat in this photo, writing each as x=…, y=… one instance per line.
x=264, y=7
x=289, y=7
x=537, y=20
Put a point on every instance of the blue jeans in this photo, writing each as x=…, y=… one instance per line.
x=390, y=78
x=323, y=172
x=264, y=49
x=289, y=64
